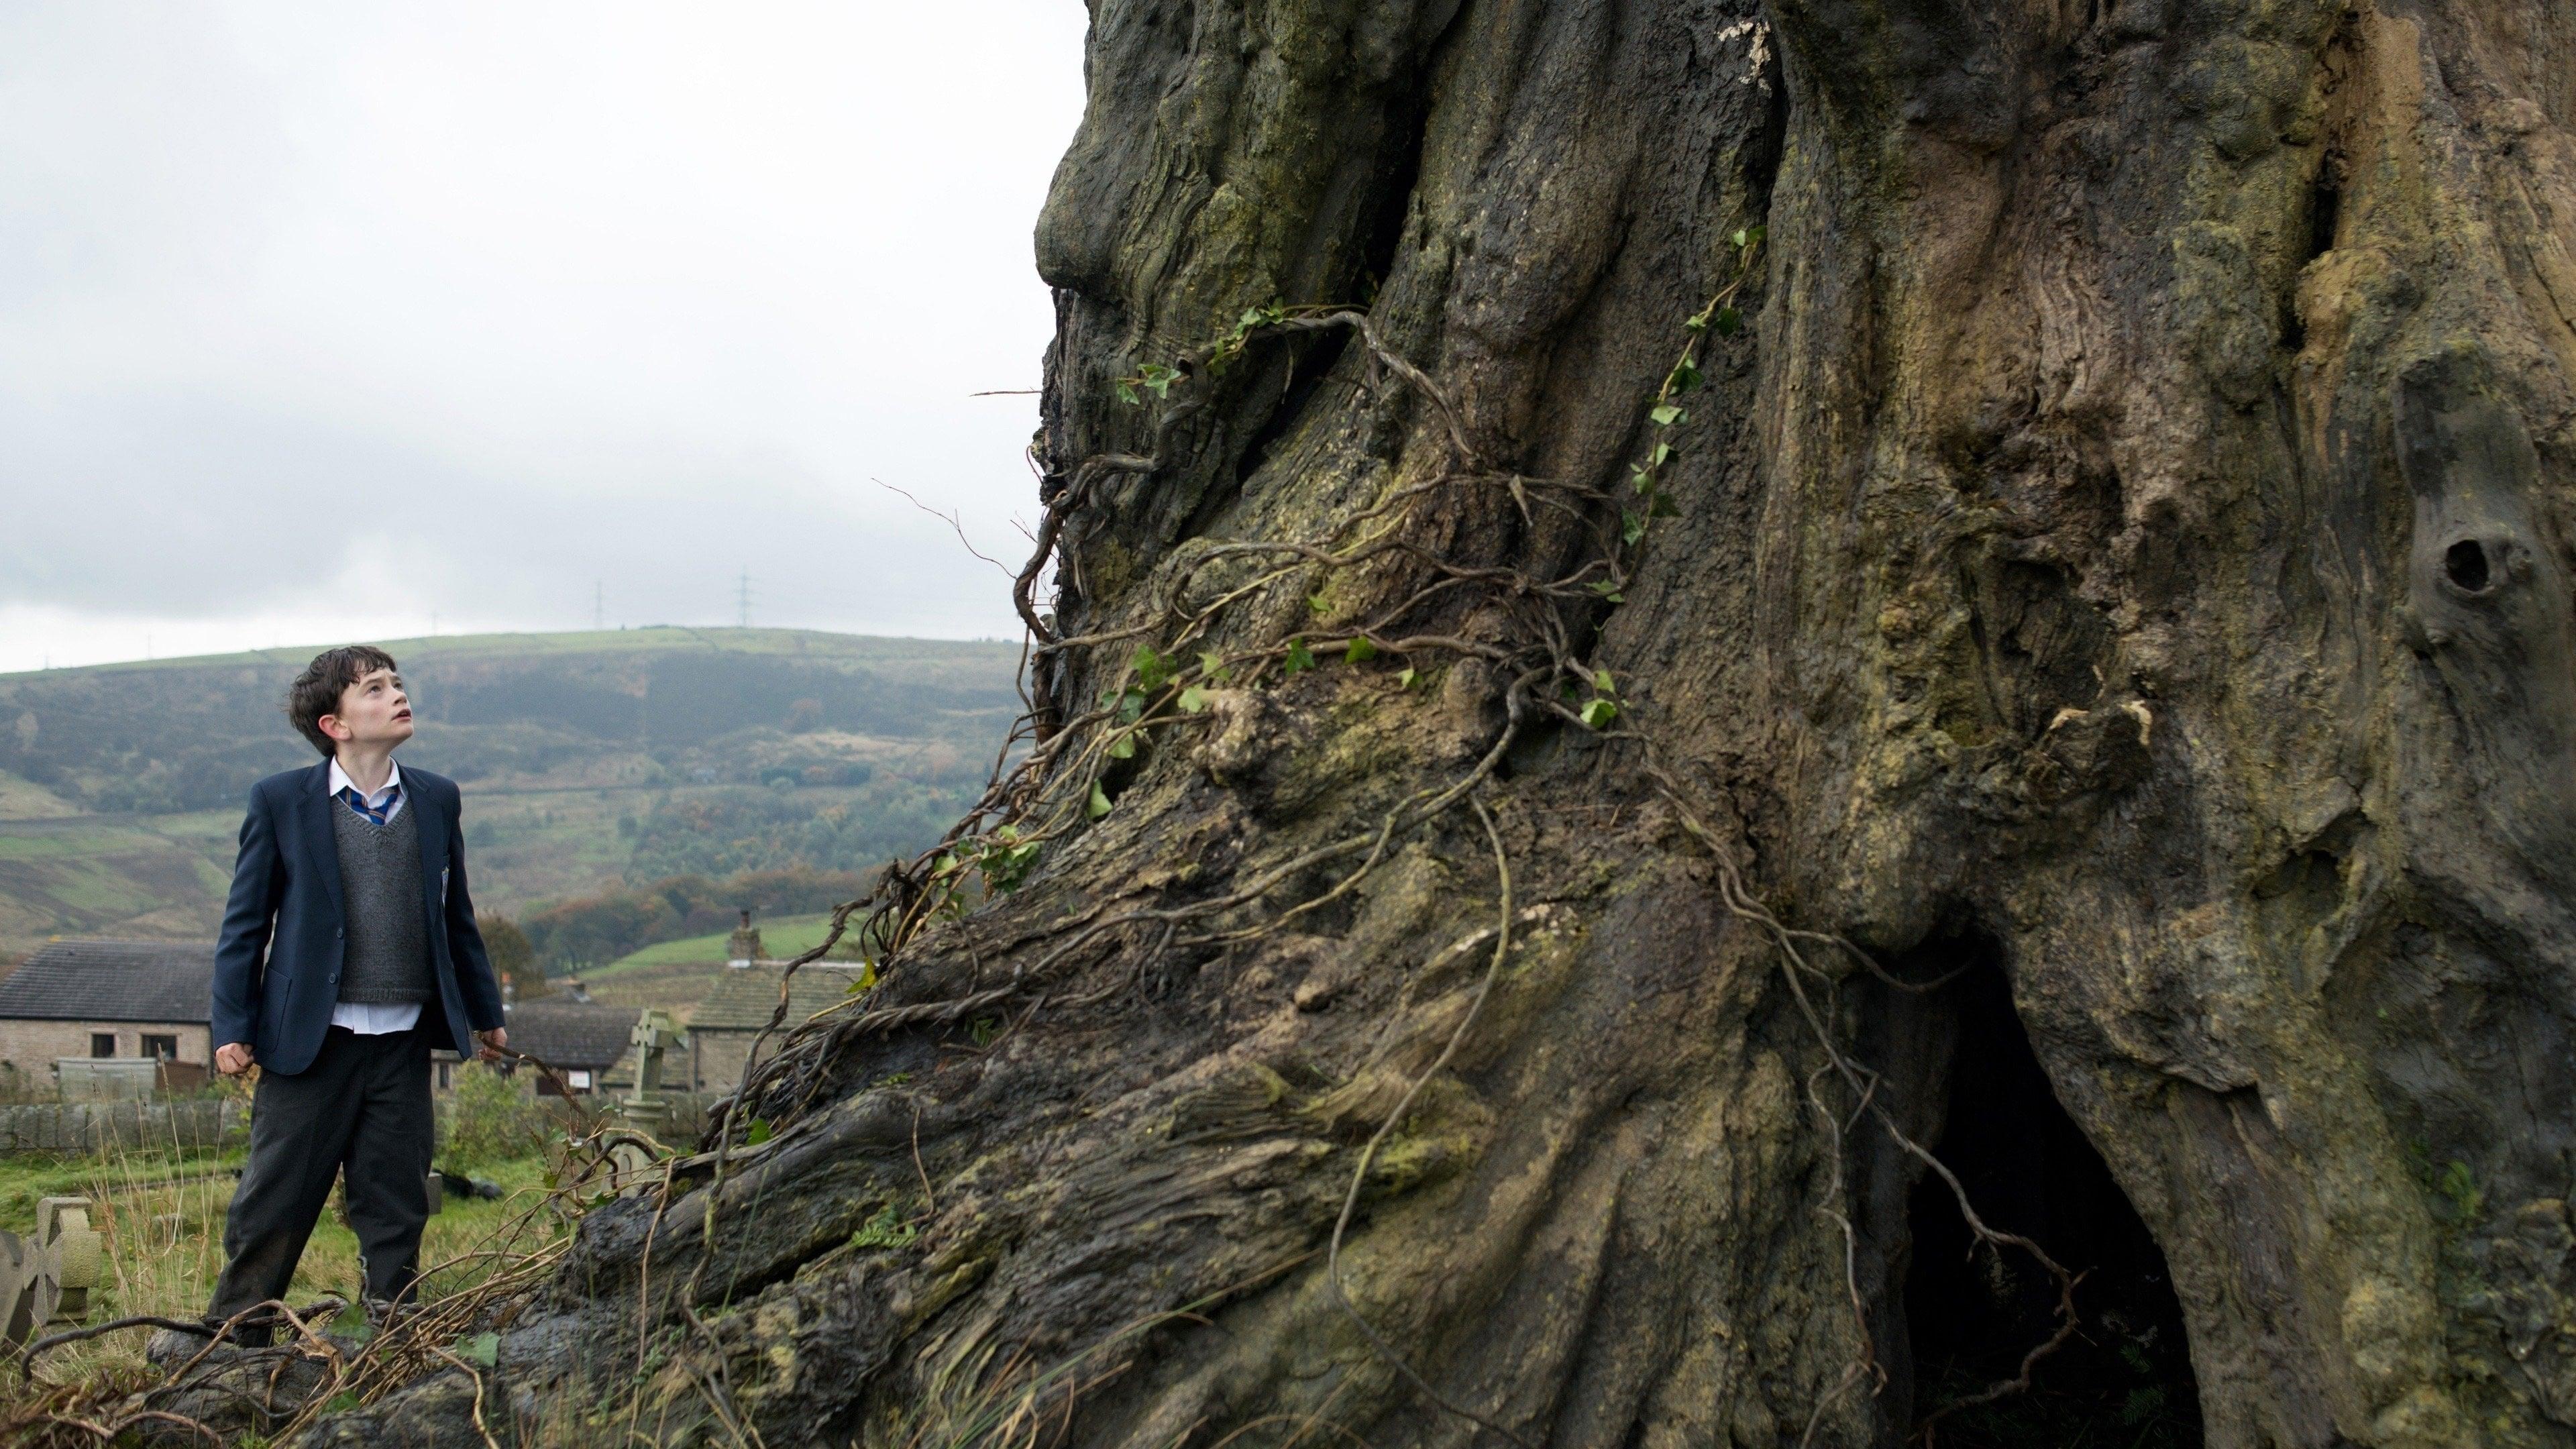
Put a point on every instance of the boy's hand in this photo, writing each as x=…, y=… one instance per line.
x=493, y=1040
x=233, y=1058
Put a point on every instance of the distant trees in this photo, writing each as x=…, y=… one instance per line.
x=514, y=959
x=603, y=927
x=731, y=831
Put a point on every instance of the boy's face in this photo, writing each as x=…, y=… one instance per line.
x=373, y=711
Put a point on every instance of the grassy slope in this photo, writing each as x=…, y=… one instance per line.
x=675, y=975
x=781, y=938
x=162, y=876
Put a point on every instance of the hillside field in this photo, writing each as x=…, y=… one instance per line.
x=588, y=761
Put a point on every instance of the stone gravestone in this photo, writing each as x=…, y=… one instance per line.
x=631, y=1167
x=45, y=1279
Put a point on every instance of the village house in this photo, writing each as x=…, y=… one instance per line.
x=737, y=1005
x=134, y=999
x=106, y=999
x=576, y=1036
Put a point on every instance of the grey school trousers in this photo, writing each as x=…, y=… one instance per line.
x=361, y=1109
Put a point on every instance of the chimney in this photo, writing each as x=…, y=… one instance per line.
x=743, y=947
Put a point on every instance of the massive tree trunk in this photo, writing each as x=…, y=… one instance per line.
x=2112, y=594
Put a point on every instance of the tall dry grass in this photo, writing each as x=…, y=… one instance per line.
x=159, y=1210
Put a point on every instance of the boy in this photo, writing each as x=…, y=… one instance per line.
x=348, y=952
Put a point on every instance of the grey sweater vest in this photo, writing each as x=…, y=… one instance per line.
x=387, y=959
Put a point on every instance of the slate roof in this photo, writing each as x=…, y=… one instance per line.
x=571, y=1034
x=172, y=981
x=742, y=997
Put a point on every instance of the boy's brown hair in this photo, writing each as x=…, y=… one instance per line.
x=316, y=692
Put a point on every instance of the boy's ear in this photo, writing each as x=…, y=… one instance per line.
x=330, y=724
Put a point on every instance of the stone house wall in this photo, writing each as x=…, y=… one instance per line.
x=28, y=1047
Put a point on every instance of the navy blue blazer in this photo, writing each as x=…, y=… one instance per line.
x=277, y=965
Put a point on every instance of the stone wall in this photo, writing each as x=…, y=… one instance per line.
x=87, y=1127
x=716, y=1058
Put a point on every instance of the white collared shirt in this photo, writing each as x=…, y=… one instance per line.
x=393, y=781
x=373, y=1018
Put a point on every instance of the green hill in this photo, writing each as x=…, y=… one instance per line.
x=780, y=937
x=588, y=760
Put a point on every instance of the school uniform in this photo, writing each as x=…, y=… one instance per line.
x=348, y=954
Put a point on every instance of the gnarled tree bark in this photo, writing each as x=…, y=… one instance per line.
x=2127, y=548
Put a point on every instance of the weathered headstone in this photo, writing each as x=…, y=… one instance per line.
x=631, y=1166
x=46, y=1278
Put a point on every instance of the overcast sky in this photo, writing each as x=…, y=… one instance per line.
x=320, y=321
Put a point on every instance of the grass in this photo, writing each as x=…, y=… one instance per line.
x=676, y=975
x=160, y=1216
x=780, y=938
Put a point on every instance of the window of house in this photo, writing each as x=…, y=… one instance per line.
x=164, y=1047
x=580, y=1077
x=446, y=1078
x=102, y=1043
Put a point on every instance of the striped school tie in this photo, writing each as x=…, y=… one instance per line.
x=375, y=815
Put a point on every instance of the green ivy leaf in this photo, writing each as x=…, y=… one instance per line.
x=483, y=1349
x=758, y=1134
x=1660, y=505
x=1743, y=238
x=1213, y=666
x=1360, y=651
x=1153, y=670
x=1300, y=658
x=1665, y=415
x=1641, y=480
x=1123, y=747
x=1315, y=605
x=1632, y=526
x=1685, y=376
x=1608, y=590
x=1729, y=322
x=1127, y=394
x=1662, y=452
x=884, y=1230
x=1405, y=677
x=1193, y=699
x=1601, y=681
x=1598, y=713
x=1098, y=805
